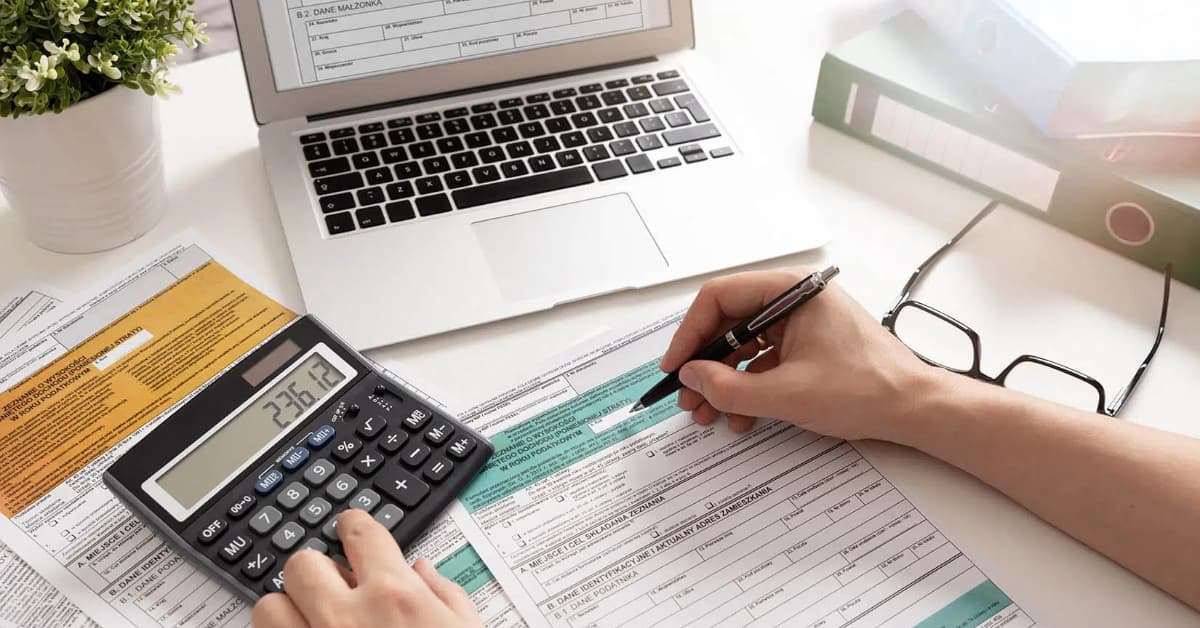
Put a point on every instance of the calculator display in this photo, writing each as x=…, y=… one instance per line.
x=242, y=436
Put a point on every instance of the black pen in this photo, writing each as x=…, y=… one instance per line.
x=732, y=340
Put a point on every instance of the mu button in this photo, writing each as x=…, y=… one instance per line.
x=402, y=486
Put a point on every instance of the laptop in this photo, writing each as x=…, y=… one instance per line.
x=441, y=164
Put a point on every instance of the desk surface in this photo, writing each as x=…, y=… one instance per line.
x=1023, y=285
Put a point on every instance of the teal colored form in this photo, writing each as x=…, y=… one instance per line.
x=560, y=437
x=970, y=609
x=466, y=568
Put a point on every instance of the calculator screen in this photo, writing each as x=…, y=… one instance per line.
x=243, y=435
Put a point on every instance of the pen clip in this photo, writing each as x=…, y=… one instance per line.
x=811, y=284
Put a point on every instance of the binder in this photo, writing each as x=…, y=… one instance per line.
x=896, y=87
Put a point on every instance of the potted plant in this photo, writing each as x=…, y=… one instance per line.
x=80, y=157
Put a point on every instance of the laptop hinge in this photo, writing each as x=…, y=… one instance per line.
x=472, y=90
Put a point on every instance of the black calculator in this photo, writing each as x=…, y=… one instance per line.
x=258, y=464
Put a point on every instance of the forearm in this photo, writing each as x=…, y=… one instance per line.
x=1128, y=491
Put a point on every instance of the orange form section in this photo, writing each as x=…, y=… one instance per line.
x=61, y=419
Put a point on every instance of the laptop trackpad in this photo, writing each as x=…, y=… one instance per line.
x=572, y=250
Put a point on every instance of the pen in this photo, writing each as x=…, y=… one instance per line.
x=732, y=340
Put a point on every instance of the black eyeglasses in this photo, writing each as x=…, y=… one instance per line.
x=944, y=342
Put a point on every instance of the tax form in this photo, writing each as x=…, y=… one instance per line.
x=591, y=516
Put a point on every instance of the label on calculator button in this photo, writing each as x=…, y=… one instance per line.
x=212, y=531
x=234, y=548
x=269, y=481
x=295, y=458
x=321, y=436
x=402, y=486
x=242, y=506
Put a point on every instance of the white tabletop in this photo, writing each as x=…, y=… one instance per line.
x=1025, y=286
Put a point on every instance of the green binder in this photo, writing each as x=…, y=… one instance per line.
x=898, y=88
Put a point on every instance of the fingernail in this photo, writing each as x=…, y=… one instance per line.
x=688, y=377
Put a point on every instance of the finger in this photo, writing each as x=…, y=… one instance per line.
x=275, y=610
x=746, y=352
x=370, y=548
x=447, y=590
x=765, y=361
x=732, y=391
x=706, y=414
x=727, y=298
x=740, y=423
x=689, y=399
x=312, y=582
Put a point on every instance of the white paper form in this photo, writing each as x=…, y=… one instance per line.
x=22, y=306
x=590, y=516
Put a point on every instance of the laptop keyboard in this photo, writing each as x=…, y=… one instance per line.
x=459, y=158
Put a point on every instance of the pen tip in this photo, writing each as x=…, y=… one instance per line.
x=637, y=407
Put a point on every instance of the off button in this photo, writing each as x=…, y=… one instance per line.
x=212, y=531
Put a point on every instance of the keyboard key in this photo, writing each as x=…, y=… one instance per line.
x=558, y=125
x=667, y=88
x=370, y=217
x=515, y=168
x=234, y=549
x=292, y=495
x=692, y=104
x=669, y=162
x=678, y=119
x=339, y=133
x=429, y=185
x=316, y=545
x=338, y=183
x=614, y=98
x=365, y=160
x=652, y=125
x=345, y=146
x=528, y=186
x=401, y=190
x=689, y=149
x=213, y=531
x=662, y=105
x=635, y=110
x=508, y=103
x=339, y=223
x=268, y=482
x=510, y=116
x=591, y=88
x=600, y=134
x=718, y=153
x=668, y=74
x=365, y=500
x=643, y=78
x=329, y=531
x=641, y=92
x=394, y=155
x=257, y=565
x=395, y=123
x=433, y=205
x=610, y=115
x=536, y=98
x=616, y=84
x=568, y=158
x=368, y=463
x=309, y=138
x=606, y=170
x=429, y=131
x=341, y=487
x=691, y=134
x=531, y=129
x=588, y=102
x=477, y=140
x=519, y=150
x=464, y=160
x=374, y=141
x=492, y=154
x=649, y=142
x=336, y=202
x=346, y=448
x=407, y=170
x=565, y=93
x=379, y=176
x=241, y=507
x=402, y=486
x=315, y=511
x=483, y=122
x=399, y=212
x=574, y=139
x=439, y=432
x=436, y=165
x=401, y=136
x=626, y=129
x=448, y=145
x=504, y=135
x=437, y=470
x=429, y=117
x=562, y=107
x=455, y=127
x=692, y=158
x=620, y=148
x=486, y=174
x=370, y=127
x=316, y=151
x=546, y=144
x=324, y=168
x=461, y=447
x=541, y=163
x=421, y=150
x=458, y=179
x=483, y=107
x=639, y=164
x=393, y=440
x=414, y=455
x=389, y=516
x=265, y=520
x=370, y=196
x=319, y=472
x=536, y=112
x=595, y=153
x=288, y=536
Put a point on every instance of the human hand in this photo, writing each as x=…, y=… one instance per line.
x=831, y=367
x=382, y=591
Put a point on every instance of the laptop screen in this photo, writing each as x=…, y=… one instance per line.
x=314, y=42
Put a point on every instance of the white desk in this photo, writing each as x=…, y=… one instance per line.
x=1024, y=286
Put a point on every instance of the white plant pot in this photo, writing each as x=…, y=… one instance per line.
x=90, y=178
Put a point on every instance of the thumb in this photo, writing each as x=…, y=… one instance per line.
x=729, y=390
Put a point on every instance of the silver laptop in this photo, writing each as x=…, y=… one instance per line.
x=440, y=164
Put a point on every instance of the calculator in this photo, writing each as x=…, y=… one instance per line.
x=258, y=464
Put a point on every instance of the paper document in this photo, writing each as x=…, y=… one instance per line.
x=591, y=516
x=22, y=306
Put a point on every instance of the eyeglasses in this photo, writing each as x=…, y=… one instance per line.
x=945, y=342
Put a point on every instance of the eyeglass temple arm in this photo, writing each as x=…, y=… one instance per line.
x=1123, y=395
x=915, y=278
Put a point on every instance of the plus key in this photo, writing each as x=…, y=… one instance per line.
x=402, y=486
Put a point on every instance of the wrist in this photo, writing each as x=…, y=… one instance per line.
x=932, y=398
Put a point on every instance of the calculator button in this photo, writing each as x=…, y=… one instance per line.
x=269, y=482
x=234, y=549
x=329, y=530
x=346, y=448
x=321, y=436
x=257, y=565
x=366, y=500
x=315, y=511
x=353, y=410
x=415, y=455
x=461, y=447
x=212, y=531
x=402, y=486
x=265, y=520
x=291, y=496
x=316, y=545
x=438, y=469
x=439, y=433
x=341, y=487
x=371, y=427
x=274, y=583
x=393, y=441
x=295, y=458
x=319, y=472
x=390, y=516
x=368, y=463
x=288, y=536
x=242, y=506
x=416, y=419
